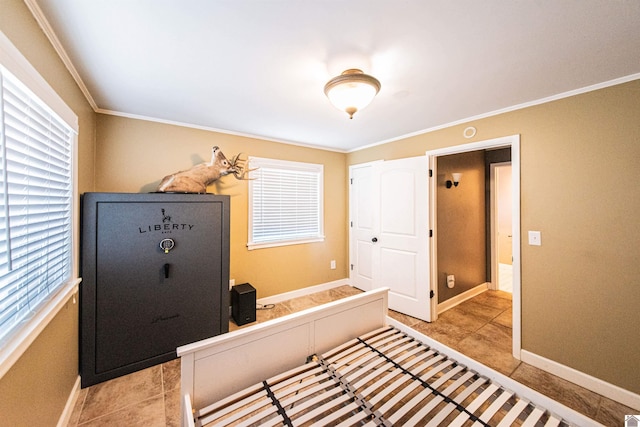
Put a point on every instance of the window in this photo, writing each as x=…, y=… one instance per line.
x=285, y=203
x=37, y=193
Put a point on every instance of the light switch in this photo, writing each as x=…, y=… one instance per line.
x=534, y=238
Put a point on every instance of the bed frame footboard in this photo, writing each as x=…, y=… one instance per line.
x=361, y=355
x=217, y=367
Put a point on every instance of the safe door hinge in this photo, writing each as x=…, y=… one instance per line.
x=432, y=294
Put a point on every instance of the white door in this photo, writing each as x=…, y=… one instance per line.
x=503, y=226
x=503, y=213
x=390, y=248
x=362, y=226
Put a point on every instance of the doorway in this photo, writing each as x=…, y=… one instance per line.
x=512, y=142
x=501, y=227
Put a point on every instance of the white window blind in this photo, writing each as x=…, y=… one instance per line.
x=36, y=202
x=285, y=203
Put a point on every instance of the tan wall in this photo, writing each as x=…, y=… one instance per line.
x=36, y=388
x=580, y=290
x=461, y=224
x=578, y=175
x=133, y=155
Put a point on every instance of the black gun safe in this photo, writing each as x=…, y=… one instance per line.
x=155, y=275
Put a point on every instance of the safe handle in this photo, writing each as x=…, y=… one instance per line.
x=166, y=245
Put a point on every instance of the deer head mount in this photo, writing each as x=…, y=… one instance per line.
x=196, y=179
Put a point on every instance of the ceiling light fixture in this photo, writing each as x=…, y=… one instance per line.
x=352, y=90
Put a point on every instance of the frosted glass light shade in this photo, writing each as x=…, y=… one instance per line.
x=352, y=91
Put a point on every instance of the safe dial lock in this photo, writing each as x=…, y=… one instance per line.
x=166, y=245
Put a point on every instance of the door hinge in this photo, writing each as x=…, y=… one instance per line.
x=432, y=294
x=351, y=223
x=350, y=180
x=351, y=267
x=430, y=173
x=430, y=233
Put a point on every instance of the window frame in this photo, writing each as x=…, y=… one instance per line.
x=22, y=336
x=288, y=166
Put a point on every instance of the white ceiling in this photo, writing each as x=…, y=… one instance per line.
x=258, y=67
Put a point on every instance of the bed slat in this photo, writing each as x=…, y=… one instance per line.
x=514, y=413
x=533, y=418
x=383, y=378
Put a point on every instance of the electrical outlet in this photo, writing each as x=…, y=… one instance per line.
x=534, y=238
x=333, y=264
x=232, y=283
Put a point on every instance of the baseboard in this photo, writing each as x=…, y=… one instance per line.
x=596, y=385
x=274, y=299
x=460, y=298
x=65, y=417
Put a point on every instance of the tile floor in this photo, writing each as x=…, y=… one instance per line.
x=479, y=328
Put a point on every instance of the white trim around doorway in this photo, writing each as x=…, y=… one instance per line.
x=512, y=141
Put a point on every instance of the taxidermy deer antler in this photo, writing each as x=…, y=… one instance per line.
x=196, y=179
x=240, y=167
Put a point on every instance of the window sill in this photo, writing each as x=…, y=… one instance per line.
x=16, y=344
x=252, y=246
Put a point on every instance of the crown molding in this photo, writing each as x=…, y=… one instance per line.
x=217, y=130
x=579, y=91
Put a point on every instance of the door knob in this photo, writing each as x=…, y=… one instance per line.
x=375, y=239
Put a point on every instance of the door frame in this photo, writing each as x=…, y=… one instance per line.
x=512, y=141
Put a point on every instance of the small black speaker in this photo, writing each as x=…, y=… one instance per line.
x=243, y=304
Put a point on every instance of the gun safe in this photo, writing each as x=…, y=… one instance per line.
x=155, y=274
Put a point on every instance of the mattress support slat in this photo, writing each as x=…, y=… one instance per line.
x=364, y=405
x=383, y=378
x=514, y=413
x=426, y=385
x=285, y=418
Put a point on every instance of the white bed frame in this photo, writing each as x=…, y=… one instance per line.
x=221, y=366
